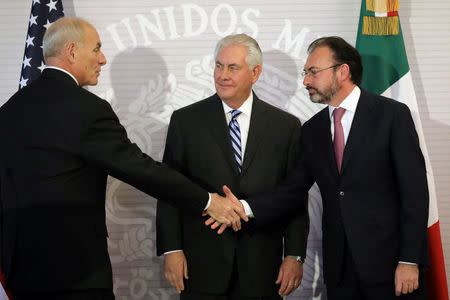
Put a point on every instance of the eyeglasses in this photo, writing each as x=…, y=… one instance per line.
x=313, y=73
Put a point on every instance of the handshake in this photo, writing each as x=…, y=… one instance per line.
x=225, y=211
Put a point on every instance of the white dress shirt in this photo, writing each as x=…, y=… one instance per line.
x=349, y=104
x=243, y=119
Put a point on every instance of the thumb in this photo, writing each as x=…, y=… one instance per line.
x=227, y=192
x=185, y=270
x=280, y=276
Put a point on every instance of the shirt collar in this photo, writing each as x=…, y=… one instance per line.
x=62, y=70
x=245, y=108
x=349, y=103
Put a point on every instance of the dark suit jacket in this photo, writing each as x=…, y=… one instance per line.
x=379, y=202
x=59, y=143
x=199, y=145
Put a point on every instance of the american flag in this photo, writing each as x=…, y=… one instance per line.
x=43, y=14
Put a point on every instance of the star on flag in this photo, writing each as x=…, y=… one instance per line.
x=43, y=14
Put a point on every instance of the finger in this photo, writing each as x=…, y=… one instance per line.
x=241, y=212
x=280, y=277
x=222, y=229
x=404, y=288
x=185, y=271
x=398, y=288
x=204, y=213
x=410, y=287
x=283, y=288
x=283, y=283
x=237, y=225
x=289, y=289
x=215, y=225
x=209, y=221
x=228, y=193
x=179, y=284
x=172, y=281
x=416, y=284
x=234, y=217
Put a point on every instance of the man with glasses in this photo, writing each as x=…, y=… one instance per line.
x=363, y=152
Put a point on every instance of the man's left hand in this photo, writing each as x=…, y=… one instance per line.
x=290, y=276
x=406, y=279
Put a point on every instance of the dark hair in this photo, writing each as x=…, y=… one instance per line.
x=344, y=53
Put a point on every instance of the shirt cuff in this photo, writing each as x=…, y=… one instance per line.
x=407, y=263
x=247, y=209
x=209, y=202
x=165, y=253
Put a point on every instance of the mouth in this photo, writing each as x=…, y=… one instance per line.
x=311, y=90
x=224, y=86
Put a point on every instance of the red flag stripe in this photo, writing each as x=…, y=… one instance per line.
x=436, y=284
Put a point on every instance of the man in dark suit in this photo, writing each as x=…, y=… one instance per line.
x=364, y=154
x=232, y=138
x=59, y=143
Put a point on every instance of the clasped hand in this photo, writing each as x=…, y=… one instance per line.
x=225, y=211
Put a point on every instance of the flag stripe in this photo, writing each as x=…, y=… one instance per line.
x=435, y=275
x=384, y=56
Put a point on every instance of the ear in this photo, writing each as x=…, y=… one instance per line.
x=344, y=71
x=256, y=72
x=71, y=50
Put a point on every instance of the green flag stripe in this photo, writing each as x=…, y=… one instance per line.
x=383, y=57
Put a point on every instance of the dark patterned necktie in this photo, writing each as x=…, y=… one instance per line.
x=235, y=133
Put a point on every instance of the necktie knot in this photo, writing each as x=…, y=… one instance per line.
x=338, y=113
x=234, y=114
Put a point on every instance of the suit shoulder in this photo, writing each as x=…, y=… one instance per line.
x=278, y=113
x=198, y=108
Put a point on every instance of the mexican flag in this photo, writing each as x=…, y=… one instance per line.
x=386, y=72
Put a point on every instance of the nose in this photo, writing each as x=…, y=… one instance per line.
x=102, y=59
x=306, y=80
x=224, y=74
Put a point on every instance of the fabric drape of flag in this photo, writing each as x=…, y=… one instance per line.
x=43, y=14
x=386, y=72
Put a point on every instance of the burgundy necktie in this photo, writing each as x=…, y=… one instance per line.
x=339, y=141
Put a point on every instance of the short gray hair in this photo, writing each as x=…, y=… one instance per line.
x=254, y=55
x=61, y=32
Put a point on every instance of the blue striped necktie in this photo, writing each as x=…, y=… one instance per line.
x=235, y=133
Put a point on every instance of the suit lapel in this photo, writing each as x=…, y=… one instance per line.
x=258, y=125
x=219, y=129
x=325, y=142
x=358, y=130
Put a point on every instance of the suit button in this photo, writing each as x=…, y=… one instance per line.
x=341, y=193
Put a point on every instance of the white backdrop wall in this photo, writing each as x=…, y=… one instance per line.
x=160, y=59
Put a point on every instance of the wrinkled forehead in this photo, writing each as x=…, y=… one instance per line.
x=91, y=35
x=230, y=53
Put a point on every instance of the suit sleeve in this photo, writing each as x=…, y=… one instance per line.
x=410, y=173
x=287, y=197
x=105, y=144
x=296, y=233
x=168, y=219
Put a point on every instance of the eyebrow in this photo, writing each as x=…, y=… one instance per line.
x=99, y=45
x=229, y=65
